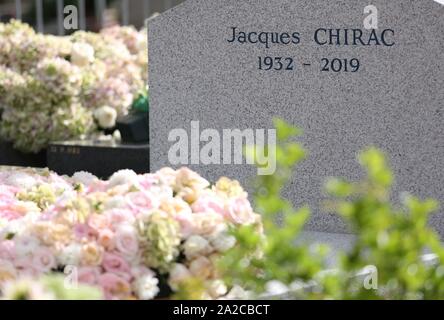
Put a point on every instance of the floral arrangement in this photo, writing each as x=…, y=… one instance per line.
x=59, y=88
x=131, y=236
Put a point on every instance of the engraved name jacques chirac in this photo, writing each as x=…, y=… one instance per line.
x=321, y=37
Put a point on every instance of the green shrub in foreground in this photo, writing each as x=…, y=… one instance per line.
x=392, y=239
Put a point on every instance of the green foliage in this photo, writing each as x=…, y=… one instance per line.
x=56, y=285
x=275, y=256
x=391, y=239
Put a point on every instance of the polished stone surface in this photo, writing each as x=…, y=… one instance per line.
x=99, y=158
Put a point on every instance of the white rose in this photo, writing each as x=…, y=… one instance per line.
x=123, y=177
x=70, y=255
x=223, y=242
x=84, y=178
x=116, y=202
x=117, y=136
x=82, y=54
x=275, y=288
x=196, y=246
x=127, y=241
x=106, y=117
x=146, y=287
x=237, y=293
x=26, y=245
x=178, y=274
x=216, y=288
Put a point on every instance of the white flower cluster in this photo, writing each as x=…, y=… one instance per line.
x=122, y=234
x=58, y=88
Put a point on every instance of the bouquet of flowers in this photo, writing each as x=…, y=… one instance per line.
x=59, y=88
x=129, y=236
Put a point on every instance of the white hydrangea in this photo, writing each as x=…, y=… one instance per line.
x=106, y=117
x=82, y=54
x=196, y=246
x=146, y=287
x=21, y=180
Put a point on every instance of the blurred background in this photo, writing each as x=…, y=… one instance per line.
x=47, y=16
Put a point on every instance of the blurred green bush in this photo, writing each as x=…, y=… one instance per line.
x=390, y=240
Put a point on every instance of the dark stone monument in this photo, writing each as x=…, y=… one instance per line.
x=12, y=157
x=99, y=158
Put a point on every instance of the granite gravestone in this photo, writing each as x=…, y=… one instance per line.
x=349, y=74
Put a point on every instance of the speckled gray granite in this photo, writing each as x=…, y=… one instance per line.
x=394, y=101
x=337, y=243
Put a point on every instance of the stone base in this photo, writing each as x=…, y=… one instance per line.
x=99, y=158
x=11, y=157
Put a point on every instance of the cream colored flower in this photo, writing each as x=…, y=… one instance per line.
x=92, y=254
x=223, y=242
x=52, y=234
x=178, y=274
x=229, y=188
x=189, y=185
x=82, y=54
x=216, y=288
x=196, y=246
x=201, y=267
x=7, y=271
x=175, y=206
x=106, y=117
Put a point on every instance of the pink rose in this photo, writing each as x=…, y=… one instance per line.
x=114, y=287
x=146, y=181
x=24, y=266
x=114, y=263
x=98, y=222
x=43, y=260
x=97, y=186
x=84, y=232
x=88, y=275
x=119, y=216
x=209, y=204
x=127, y=242
x=199, y=223
x=240, y=211
x=7, y=250
x=141, y=202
